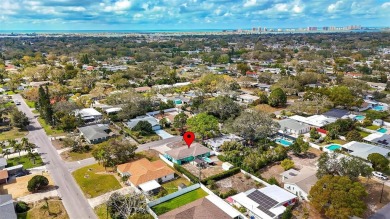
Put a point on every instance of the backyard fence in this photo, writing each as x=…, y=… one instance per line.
x=255, y=178
x=173, y=195
x=165, y=160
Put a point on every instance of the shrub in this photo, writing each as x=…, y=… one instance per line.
x=228, y=193
x=287, y=164
x=287, y=214
x=182, y=170
x=36, y=183
x=211, y=184
x=21, y=207
x=273, y=181
x=221, y=158
x=222, y=175
x=143, y=126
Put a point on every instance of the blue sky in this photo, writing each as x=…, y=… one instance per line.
x=188, y=14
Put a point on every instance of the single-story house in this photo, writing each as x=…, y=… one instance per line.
x=94, y=134
x=217, y=142
x=266, y=203
x=315, y=120
x=113, y=110
x=247, y=98
x=146, y=175
x=336, y=113
x=210, y=206
x=362, y=150
x=301, y=184
x=14, y=169
x=186, y=154
x=3, y=176
x=290, y=126
x=3, y=163
x=289, y=174
x=378, y=122
x=378, y=138
x=365, y=106
x=153, y=121
x=7, y=209
x=89, y=114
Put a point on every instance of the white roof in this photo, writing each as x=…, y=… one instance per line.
x=228, y=209
x=149, y=186
x=276, y=193
x=377, y=136
x=114, y=109
x=362, y=150
x=88, y=112
x=248, y=97
x=248, y=203
x=315, y=120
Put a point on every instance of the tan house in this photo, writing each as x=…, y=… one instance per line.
x=146, y=175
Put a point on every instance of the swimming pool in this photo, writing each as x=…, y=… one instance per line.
x=283, y=142
x=334, y=147
x=379, y=108
x=360, y=118
x=382, y=130
x=208, y=160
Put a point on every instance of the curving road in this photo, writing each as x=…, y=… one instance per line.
x=73, y=199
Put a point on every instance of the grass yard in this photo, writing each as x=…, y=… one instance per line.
x=75, y=156
x=49, y=129
x=12, y=134
x=30, y=103
x=101, y=212
x=364, y=134
x=26, y=161
x=373, y=127
x=142, y=139
x=151, y=155
x=94, y=180
x=266, y=108
x=53, y=209
x=179, y=201
x=171, y=186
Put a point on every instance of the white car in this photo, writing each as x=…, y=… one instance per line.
x=17, y=102
x=379, y=175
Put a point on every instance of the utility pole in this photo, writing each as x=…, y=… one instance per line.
x=383, y=185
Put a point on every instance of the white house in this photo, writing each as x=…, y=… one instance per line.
x=89, y=114
x=301, y=183
x=290, y=126
x=247, y=98
x=265, y=203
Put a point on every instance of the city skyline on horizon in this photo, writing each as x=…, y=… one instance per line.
x=189, y=14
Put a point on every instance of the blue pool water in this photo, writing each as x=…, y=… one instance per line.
x=360, y=118
x=283, y=142
x=208, y=160
x=334, y=147
x=379, y=108
x=382, y=130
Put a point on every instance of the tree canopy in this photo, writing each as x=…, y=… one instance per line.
x=277, y=98
x=203, y=125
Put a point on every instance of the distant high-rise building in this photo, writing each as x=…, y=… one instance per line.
x=312, y=28
x=254, y=29
x=325, y=28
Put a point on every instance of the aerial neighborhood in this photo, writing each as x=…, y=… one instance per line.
x=285, y=126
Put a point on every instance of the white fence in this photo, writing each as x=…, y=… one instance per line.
x=173, y=195
x=165, y=160
x=367, y=130
x=255, y=178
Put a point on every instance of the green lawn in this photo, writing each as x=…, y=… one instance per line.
x=49, y=129
x=75, y=156
x=373, y=127
x=142, y=139
x=26, y=161
x=30, y=103
x=12, y=134
x=364, y=134
x=179, y=201
x=101, y=212
x=39, y=210
x=94, y=181
x=171, y=186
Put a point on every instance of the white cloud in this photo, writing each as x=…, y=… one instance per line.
x=9, y=7
x=281, y=7
x=118, y=6
x=385, y=5
x=334, y=7
x=78, y=8
x=249, y=3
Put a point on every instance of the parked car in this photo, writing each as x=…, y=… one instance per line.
x=17, y=102
x=379, y=175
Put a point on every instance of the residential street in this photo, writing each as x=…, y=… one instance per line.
x=73, y=199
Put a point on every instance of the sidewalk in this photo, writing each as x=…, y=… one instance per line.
x=38, y=196
x=93, y=202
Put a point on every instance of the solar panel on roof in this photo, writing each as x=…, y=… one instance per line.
x=264, y=201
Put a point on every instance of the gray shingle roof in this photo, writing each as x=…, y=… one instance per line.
x=183, y=152
x=3, y=161
x=7, y=210
x=292, y=124
x=93, y=132
x=149, y=119
x=336, y=113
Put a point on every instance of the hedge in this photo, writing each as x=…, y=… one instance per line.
x=182, y=170
x=222, y=175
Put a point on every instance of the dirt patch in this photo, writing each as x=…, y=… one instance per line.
x=18, y=188
x=58, y=144
x=150, y=154
x=239, y=182
x=272, y=171
x=308, y=160
x=374, y=190
x=52, y=208
x=205, y=172
x=305, y=210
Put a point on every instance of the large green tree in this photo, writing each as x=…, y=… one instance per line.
x=19, y=119
x=203, y=125
x=277, y=98
x=299, y=146
x=222, y=107
x=180, y=121
x=338, y=197
x=378, y=161
x=354, y=136
x=253, y=125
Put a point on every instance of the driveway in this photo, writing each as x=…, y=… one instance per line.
x=104, y=198
x=73, y=199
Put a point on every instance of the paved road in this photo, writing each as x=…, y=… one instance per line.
x=150, y=145
x=73, y=199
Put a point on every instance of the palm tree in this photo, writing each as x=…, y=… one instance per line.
x=18, y=148
x=7, y=152
x=2, y=145
x=24, y=142
x=30, y=147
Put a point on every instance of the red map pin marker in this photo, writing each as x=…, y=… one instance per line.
x=189, y=137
